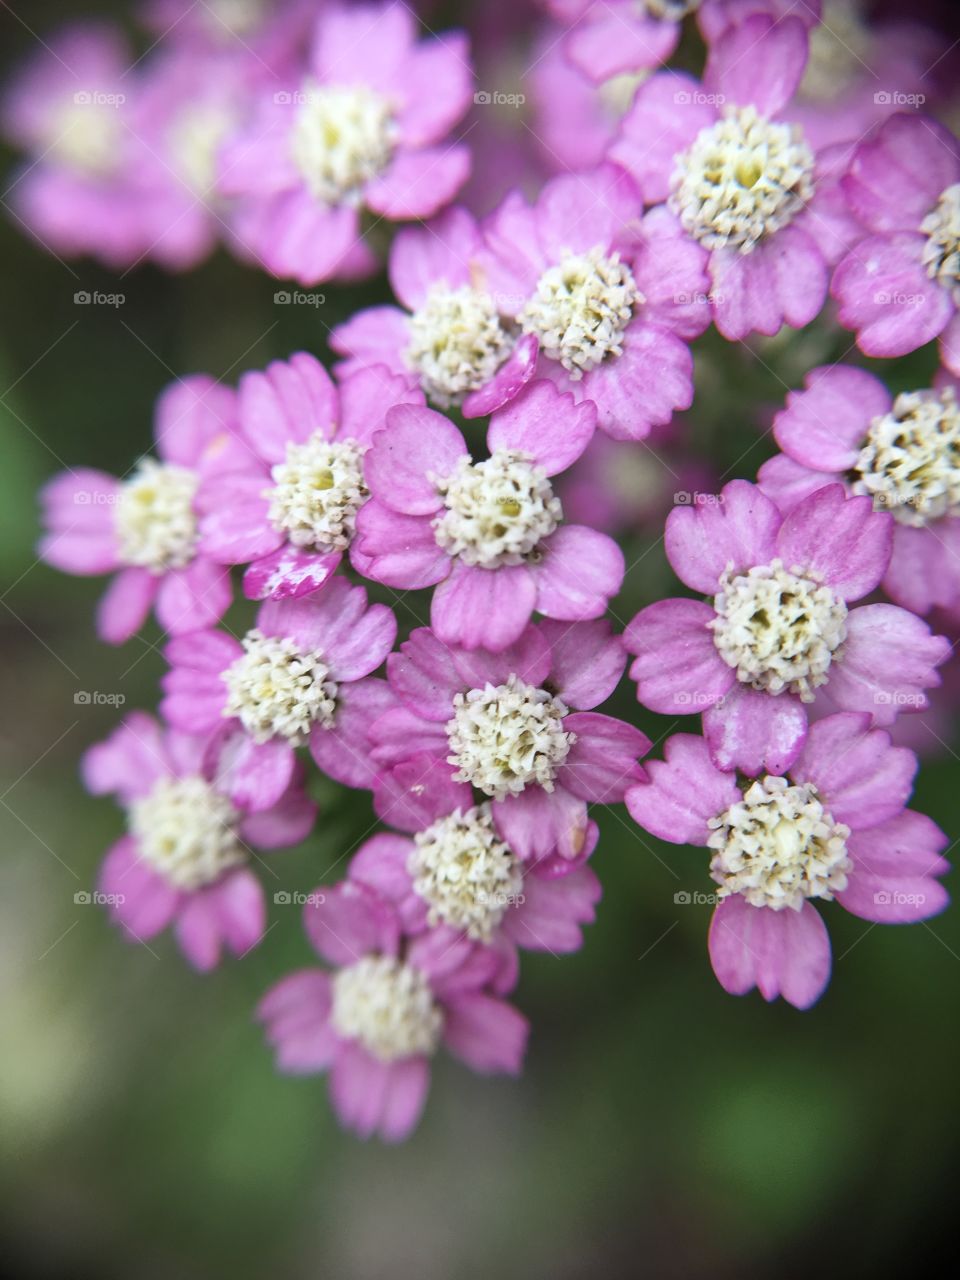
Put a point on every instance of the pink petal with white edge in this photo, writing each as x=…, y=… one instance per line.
x=739, y=529
x=420, y=259
x=888, y=659
x=483, y=608
x=413, y=794
x=347, y=921
x=842, y=541
x=344, y=752
x=892, y=881
x=194, y=597
x=685, y=790
x=286, y=404
x=580, y=570
x=786, y=483
x=536, y=824
x=399, y=550
x=606, y=45
x=677, y=668
x=287, y=574
x=547, y=426
x=824, y=425
x=782, y=953
x=142, y=902
x=861, y=777
x=586, y=661
x=353, y=638
x=419, y=183
x=231, y=914
x=296, y=1017
x=759, y=62
x=755, y=732
x=886, y=296
x=602, y=762
x=509, y=380
x=667, y=114
x=424, y=676
x=553, y=911
x=125, y=604
x=489, y=1035
x=640, y=389
x=897, y=175
x=783, y=281
x=417, y=448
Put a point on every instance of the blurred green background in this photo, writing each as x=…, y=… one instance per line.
x=661, y=1129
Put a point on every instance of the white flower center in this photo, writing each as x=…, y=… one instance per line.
x=232, y=17
x=778, y=846
x=194, y=140
x=497, y=511
x=744, y=178
x=276, y=690
x=388, y=1007
x=465, y=873
x=779, y=629
x=87, y=137
x=505, y=737
x=186, y=832
x=154, y=520
x=341, y=139
x=457, y=342
x=580, y=309
x=941, y=253
x=840, y=51
x=318, y=490
x=910, y=462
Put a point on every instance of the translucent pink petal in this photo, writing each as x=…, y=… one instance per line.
x=841, y=540
x=823, y=426
x=416, y=792
x=684, y=790
x=758, y=61
x=667, y=114
x=125, y=604
x=488, y=1035
x=546, y=425
x=602, y=762
x=739, y=529
x=586, y=661
x=483, y=608
x=509, y=380
x=419, y=183
x=399, y=550
x=755, y=732
x=862, y=778
x=348, y=921
x=424, y=676
x=888, y=659
x=194, y=597
x=782, y=953
x=783, y=281
x=537, y=823
x=287, y=403
x=343, y=752
x=677, y=668
x=417, y=448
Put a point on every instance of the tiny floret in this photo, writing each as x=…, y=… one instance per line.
x=155, y=521
x=388, y=1007
x=342, y=138
x=941, y=253
x=275, y=690
x=186, y=832
x=457, y=342
x=318, y=490
x=910, y=462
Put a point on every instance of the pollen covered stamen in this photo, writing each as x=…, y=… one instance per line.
x=186, y=832
x=778, y=629
x=744, y=178
x=155, y=522
x=342, y=138
x=276, y=690
x=941, y=253
x=910, y=462
x=497, y=511
x=388, y=1007
x=779, y=846
x=506, y=737
x=457, y=342
x=465, y=873
x=580, y=309
x=318, y=490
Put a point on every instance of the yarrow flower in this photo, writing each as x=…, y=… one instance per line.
x=835, y=825
x=778, y=632
x=299, y=677
x=376, y=1020
x=145, y=526
x=186, y=857
x=488, y=532
x=363, y=130
x=519, y=727
x=903, y=452
x=899, y=286
x=286, y=500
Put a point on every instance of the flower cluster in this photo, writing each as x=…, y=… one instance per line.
x=496, y=435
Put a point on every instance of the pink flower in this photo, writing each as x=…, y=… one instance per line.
x=900, y=286
x=298, y=677
x=519, y=727
x=779, y=632
x=742, y=180
x=377, y=1020
x=459, y=874
x=388, y=101
x=488, y=532
x=145, y=526
x=846, y=426
x=609, y=301
x=835, y=827
x=184, y=861
x=263, y=35
x=288, y=496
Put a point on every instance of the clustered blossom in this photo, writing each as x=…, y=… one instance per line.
x=494, y=433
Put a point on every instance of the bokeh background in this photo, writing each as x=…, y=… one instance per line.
x=661, y=1129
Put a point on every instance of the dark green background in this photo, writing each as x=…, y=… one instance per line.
x=661, y=1129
